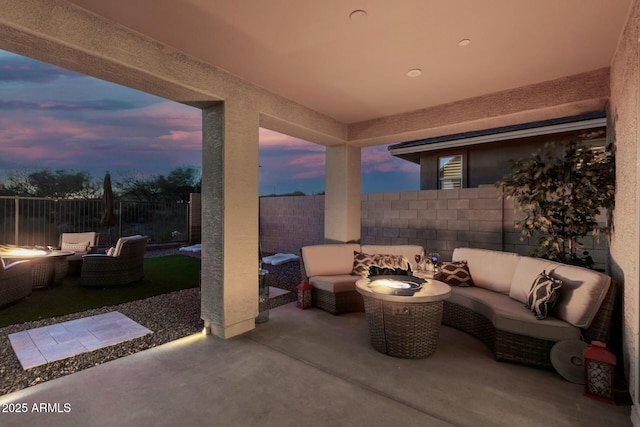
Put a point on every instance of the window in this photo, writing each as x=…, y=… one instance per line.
x=450, y=172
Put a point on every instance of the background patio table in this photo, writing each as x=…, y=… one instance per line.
x=48, y=267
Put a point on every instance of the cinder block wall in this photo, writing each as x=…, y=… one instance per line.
x=438, y=220
x=288, y=223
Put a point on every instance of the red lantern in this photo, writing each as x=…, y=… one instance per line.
x=304, y=295
x=599, y=366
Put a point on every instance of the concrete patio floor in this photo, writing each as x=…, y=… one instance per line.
x=308, y=368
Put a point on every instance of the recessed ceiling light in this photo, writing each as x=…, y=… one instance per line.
x=464, y=42
x=358, y=15
x=414, y=72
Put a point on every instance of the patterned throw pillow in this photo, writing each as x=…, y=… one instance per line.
x=75, y=247
x=391, y=261
x=361, y=263
x=543, y=295
x=456, y=273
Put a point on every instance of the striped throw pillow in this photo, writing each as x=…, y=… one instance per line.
x=543, y=295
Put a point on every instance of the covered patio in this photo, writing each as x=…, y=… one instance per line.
x=343, y=77
x=312, y=368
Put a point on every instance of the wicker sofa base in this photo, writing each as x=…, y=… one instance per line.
x=337, y=303
x=506, y=346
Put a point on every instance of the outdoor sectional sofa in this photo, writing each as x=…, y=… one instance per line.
x=493, y=308
x=329, y=270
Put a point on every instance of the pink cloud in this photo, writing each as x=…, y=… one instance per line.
x=378, y=159
x=309, y=160
x=19, y=131
x=272, y=139
x=187, y=139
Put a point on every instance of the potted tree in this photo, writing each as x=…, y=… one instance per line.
x=562, y=189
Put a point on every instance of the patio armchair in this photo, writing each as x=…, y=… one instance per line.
x=122, y=265
x=15, y=282
x=80, y=243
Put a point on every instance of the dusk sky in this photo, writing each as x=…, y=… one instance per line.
x=57, y=119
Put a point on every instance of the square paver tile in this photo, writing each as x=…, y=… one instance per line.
x=55, y=342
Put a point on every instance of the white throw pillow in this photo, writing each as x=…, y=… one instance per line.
x=75, y=247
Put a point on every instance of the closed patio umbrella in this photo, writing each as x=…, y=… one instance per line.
x=108, y=217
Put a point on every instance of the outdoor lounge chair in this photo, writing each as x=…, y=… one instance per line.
x=80, y=243
x=15, y=282
x=122, y=265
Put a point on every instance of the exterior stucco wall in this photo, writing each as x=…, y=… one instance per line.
x=625, y=244
x=484, y=164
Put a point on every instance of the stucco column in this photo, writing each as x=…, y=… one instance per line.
x=229, y=276
x=342, y=194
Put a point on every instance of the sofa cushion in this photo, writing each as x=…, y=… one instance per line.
x=90, y=236
x=121, y=241
x=526, y=272
x=580, y=297
x=335, y=283
x=489, y=269
x=361, y=263
x=456, y=273
x=510, y=315
x=409, y=251
x=543, y=295
x=326, y=260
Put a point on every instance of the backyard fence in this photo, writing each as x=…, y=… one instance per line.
x=35, y=221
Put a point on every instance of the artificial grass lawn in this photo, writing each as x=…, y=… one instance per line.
x=161, y=275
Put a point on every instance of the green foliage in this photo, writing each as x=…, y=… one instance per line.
x=176, y=186
x=63, y=184
x=47, y=183
x=293, y=193
x=561, y=191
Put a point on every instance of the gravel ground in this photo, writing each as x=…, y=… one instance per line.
x=170, y=317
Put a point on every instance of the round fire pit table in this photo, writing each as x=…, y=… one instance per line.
x=403, y=313
x=49, y=267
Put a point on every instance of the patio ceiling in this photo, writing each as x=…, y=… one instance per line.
x=355, y=69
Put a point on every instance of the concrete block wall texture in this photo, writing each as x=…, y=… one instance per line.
x=288, y=223
x=438, y=220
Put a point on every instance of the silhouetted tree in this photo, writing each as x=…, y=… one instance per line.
x=46, y=183
x=179, y=183
x=176, y=186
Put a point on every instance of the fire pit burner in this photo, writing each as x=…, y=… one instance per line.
x=395, y=285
